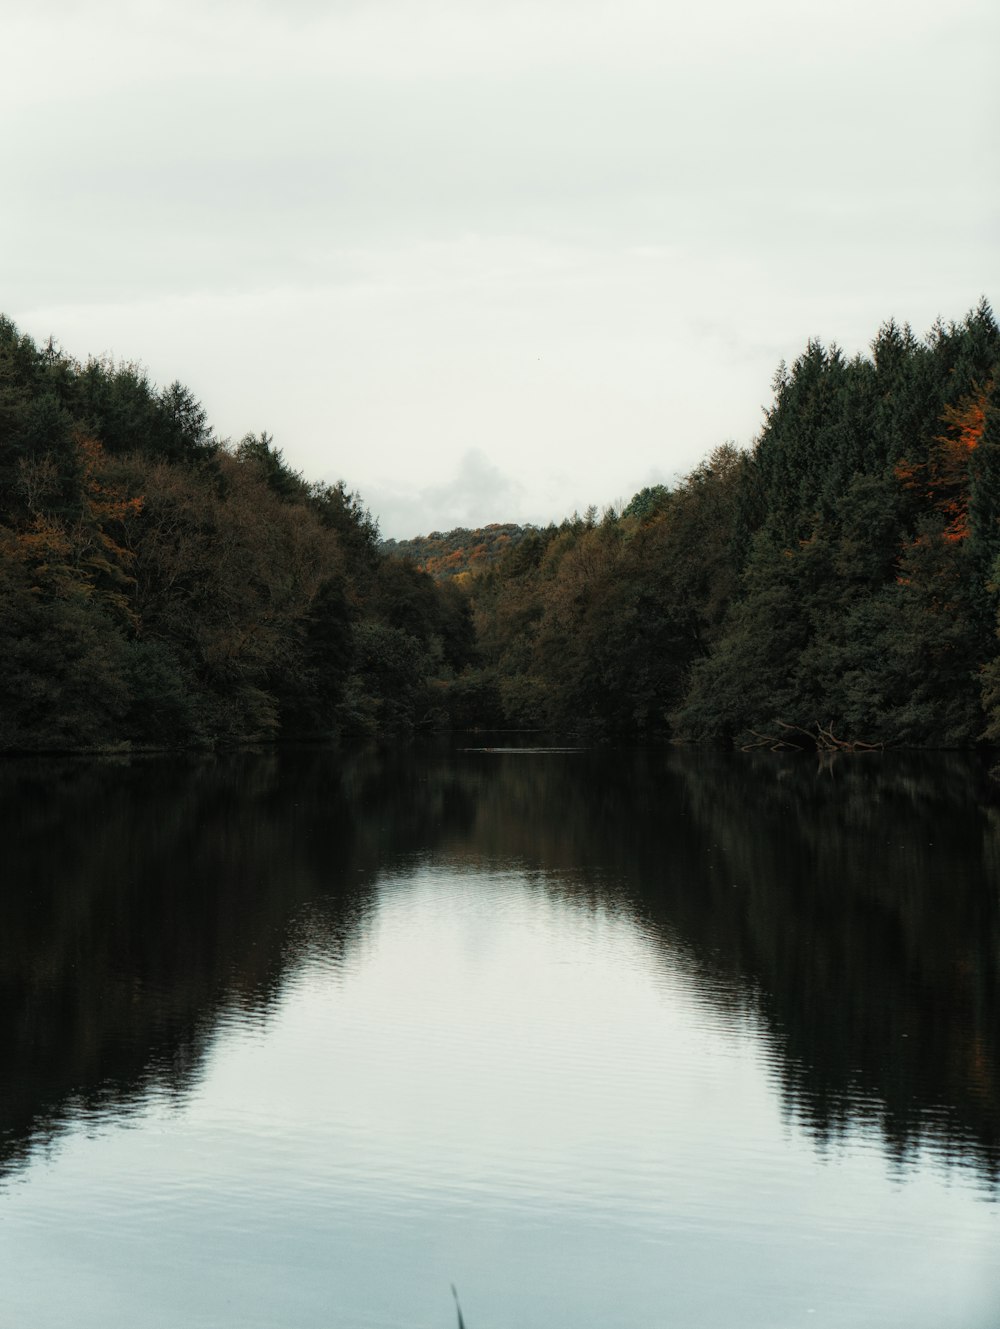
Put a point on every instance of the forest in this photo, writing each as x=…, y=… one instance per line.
x=835, y=585
x=163, y=588
x=460, y=553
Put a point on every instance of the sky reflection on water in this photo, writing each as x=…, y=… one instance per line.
x=574, y=1087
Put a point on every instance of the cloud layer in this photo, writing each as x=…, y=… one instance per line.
x=571, y=239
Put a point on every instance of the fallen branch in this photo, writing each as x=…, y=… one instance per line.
x=767, y=741
x=821, y=737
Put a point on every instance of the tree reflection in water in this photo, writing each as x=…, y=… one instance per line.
x=852, y=904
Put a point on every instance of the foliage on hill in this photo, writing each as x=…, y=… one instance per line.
x=838, y=583
x=161, y=587
x=459, y=553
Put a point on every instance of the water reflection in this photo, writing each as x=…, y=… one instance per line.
x=140, y=900
x=851, y=907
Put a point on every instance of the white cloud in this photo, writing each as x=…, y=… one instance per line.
x=475, y=496
x=572, y=238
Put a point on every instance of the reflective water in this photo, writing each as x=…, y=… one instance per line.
x=667, y=1038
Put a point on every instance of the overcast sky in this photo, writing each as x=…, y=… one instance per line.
x=497, y=260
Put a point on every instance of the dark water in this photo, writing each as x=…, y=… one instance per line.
x=666, y=1038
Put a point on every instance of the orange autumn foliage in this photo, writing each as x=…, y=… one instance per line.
x=942, y=482
x=76, y=555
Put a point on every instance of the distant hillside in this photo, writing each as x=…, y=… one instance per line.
x=458, y=553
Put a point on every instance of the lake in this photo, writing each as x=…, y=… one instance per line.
x=298, y=1039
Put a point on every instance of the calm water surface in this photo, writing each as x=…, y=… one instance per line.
x=662, y=1038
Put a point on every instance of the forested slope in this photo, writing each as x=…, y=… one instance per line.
x=841, y=575
x=836, y=583
x=460, y=552
x=160, y=587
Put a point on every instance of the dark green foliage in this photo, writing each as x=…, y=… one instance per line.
x=841, y=574
x=122, y=408
x=386, y=693
x=473, y=700
x=259, y=452
x=162, y=589
x=163, y=710
x=747, y=682
x=984, y=492
x=309, y=696
x=452, y=621
x=647, y=503
x=594, y=625
x=341, y=511
x=865, y=602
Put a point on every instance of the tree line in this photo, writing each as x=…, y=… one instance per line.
x=459, y=553
x=163, y=587
x=835, y=584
